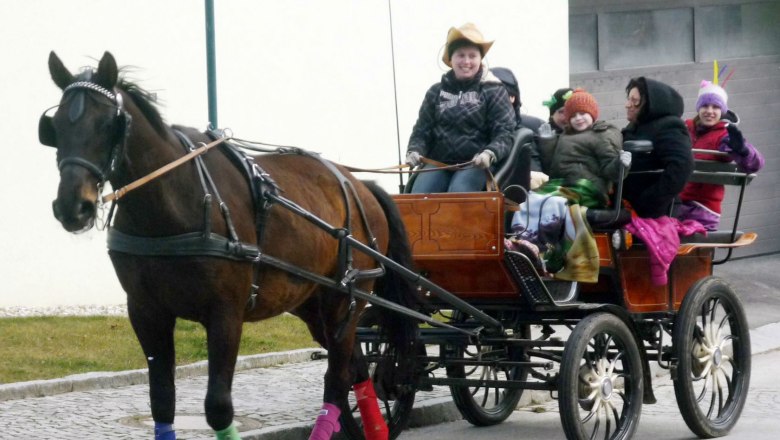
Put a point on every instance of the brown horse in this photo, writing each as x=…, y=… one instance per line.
x=97, y=143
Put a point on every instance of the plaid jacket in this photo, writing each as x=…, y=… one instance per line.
x=459, y=119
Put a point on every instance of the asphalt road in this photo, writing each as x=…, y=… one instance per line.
x=661, y=421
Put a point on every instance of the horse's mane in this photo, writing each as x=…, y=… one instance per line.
x=145, y=101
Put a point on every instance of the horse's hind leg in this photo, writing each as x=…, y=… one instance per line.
x=154, y=329
x=324, y=314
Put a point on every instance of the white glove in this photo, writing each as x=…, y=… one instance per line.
x=546, y=131
x=484, y=159
x=625, y=159
x=538, y=179
x=413, y=158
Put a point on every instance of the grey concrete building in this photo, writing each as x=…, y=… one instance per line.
x=611, y=41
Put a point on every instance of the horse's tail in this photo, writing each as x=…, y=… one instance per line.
x=400, y=330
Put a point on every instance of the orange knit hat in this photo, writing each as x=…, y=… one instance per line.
x=581, y=101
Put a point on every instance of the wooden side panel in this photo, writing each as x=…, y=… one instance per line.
x=688, y=269
x=639, y=293
x=457, y=241
x=457, y=225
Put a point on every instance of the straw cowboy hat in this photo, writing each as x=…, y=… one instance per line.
x=467, y=32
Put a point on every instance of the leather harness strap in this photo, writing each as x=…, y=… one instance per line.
x=116, y=195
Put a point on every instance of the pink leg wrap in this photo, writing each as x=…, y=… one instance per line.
x=374, y=425
x=327, y=422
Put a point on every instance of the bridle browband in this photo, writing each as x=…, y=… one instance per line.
x=92, y=86
x=117, y=148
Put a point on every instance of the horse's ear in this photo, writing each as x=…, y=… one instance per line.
x=107, y=72
x=59, y=73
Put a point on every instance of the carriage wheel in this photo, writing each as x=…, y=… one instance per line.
x=483, y=405
x=711, y=342
x=600, y=387
x=395, y=405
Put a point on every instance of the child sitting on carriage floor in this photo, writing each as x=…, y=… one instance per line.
x=714, y=128
x=583, y=162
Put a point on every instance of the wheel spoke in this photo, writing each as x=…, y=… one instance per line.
x=700, y=397
x=596, y=424
x=721, y=400
x=613, y=363
x=729, y=382
x=608, y=426
x=705, y=371
x=590, y=415
x=712, y=398
x=726, y=319
x=713, y=307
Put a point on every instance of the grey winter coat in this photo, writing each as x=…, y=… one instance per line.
x=459, y=119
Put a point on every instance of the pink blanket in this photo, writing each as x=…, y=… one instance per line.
x=662, y=237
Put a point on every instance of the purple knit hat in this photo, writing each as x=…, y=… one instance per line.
x=712, y=94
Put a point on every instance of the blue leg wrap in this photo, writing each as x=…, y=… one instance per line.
x=164, y=431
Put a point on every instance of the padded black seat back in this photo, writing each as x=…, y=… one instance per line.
x=515, y=169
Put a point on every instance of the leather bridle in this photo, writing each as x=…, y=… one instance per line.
x=123, y=121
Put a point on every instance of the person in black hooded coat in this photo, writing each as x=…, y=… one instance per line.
x=654, y=111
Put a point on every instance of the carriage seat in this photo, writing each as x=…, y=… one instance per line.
x=514, y=169
x=616, y=217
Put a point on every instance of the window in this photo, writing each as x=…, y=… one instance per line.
x=605, y=40
x=646, y=38
x=583, y=43
x=735, y=31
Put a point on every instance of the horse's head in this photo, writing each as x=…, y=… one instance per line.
x=89, y=131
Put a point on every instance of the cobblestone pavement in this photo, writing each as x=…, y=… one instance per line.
x=264, y=398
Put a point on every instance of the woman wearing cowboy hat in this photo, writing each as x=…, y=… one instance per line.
x=465, y=117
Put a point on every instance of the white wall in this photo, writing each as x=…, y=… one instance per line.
x=316, y=74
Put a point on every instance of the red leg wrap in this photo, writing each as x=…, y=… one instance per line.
x=374, y=425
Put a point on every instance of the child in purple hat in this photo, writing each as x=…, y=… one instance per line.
x=714, y=128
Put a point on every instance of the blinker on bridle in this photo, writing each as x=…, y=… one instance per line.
x=48, y=137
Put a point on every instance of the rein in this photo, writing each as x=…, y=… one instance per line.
x=399, y=169
x=116, y=195
x=490, y=180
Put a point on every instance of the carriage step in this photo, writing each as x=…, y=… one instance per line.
x=524, y=274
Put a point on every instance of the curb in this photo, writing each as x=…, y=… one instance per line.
x=103, y=380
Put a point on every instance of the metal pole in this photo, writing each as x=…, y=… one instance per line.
x=395, y=94
x=211, y=64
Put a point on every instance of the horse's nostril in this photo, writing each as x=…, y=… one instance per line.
x=86, y=209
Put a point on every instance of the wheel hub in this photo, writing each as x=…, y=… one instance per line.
x=606, y=388
x=717, y=357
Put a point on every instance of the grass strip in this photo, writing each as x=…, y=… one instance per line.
x=52, y=347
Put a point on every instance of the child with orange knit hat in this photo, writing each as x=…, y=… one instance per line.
x=588, y=154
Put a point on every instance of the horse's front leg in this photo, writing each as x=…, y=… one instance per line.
x=224, y=335
x=154, y=330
